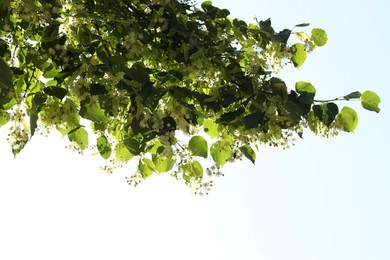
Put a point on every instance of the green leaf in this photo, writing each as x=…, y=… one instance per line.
x=162, y=157
x=57, y=92
x=279, y=88
x=319, y=36
x=294, y=112
x=254, y=120
x=122, y=153
x=38, y=100
x=370, y=101
x=299, y=54
x=51, y=73
x=305, y=87
x=80, y=136
x=89, y=112
x=266, y=25
x=104, y=147
x=3, y=118
x=353, y=95
x=332, y=111
x=206, y=5
x=163, y=163
x=282, y=36
x=198, y=146
x=6, y=75
x=230, y=116
x=302, y=25
x=249, y=153
x=33, y=114
x=210, y=128
x=146, y=167
x=221, y=152
x=133, y=145
x=193, y=169
x=347, y=119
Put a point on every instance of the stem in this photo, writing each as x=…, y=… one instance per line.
x=334, y=99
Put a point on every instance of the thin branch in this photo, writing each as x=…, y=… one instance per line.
x=334, y=99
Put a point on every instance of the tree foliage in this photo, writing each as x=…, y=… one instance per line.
x=166, y=83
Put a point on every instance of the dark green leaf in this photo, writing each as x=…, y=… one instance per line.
x=33, y=114
x=133, y=145
x=353, y=95
x=97, y=89
x=302, y=25
x=266, y=25
x=248, y=152
x=282, y=36
x=306, y=98
x=294, y=112
x=169, y=125
x=279, y=88
x=6, y=75
x=54, y=91
x=254, y=120
x=332, y=111
x=230, y=116
x=318, y=112
x=104, y=147
x=228, y=99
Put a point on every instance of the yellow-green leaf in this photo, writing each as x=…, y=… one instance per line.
x=210, y=128
x=347, y=119
x=146, y=167
x=319, y=36
x=370, y=101
x=299, y=54
x=305, y=87
x=122, y=153
x=193, y=169
x=80, y=136
x=221, y=152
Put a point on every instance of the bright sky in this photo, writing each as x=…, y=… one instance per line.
x=322, y=199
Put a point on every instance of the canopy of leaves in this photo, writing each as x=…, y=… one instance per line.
x=166, y=81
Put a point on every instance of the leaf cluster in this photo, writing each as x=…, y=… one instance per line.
x=167, y=83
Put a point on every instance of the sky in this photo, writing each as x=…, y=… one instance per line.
x=321, y=199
